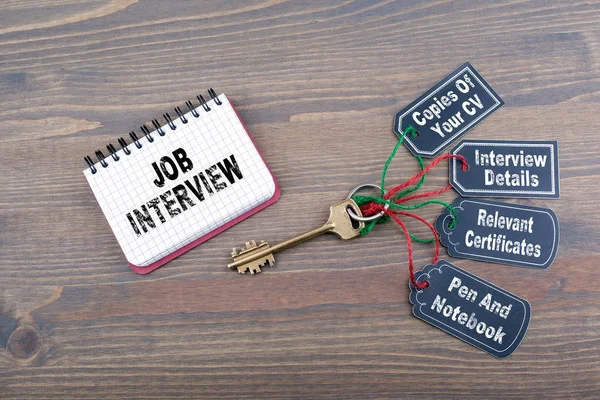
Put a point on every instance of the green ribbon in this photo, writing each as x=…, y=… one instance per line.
x=361, y=200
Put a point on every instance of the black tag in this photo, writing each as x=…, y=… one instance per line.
x=504, y=233
x=499, y=168
x=471, y=309
x=447, y=111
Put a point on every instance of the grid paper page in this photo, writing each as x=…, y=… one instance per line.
x=128, y=183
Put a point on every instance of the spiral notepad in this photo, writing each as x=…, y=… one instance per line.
x=169, y=190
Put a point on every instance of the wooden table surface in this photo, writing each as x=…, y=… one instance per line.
x=317, y=84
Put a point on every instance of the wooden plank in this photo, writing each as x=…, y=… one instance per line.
x=318, y=84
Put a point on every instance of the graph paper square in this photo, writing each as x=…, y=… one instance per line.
x=208, y=139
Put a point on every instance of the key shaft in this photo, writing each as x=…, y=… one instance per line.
x=306, y=236
x=339, y=222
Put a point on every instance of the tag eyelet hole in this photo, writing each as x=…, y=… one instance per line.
x=423, y=285
x=412, y=131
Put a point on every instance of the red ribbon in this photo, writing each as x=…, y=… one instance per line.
x=373, y=208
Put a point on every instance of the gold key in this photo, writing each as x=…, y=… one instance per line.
x=253, y=256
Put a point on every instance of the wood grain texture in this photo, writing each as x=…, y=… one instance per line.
x=317, y=84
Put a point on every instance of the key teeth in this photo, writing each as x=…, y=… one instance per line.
x=249, y=245
x=253, y=270
x=254, y=266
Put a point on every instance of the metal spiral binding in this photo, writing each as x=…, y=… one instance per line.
x=181, y=115
x=112, y=151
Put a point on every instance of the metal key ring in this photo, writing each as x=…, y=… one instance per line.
x=353, y=215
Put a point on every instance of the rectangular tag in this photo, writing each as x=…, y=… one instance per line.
x=498, y=232
x=471, y=309
x=503, y=168
x=447, y=111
